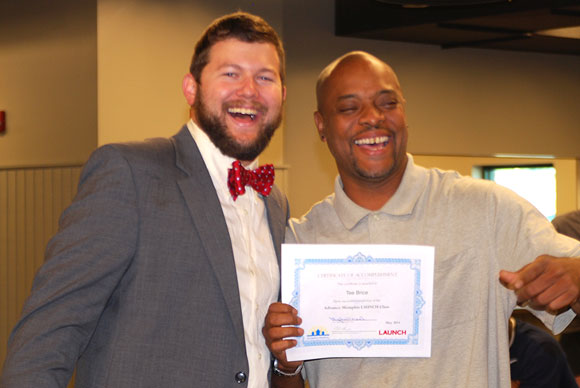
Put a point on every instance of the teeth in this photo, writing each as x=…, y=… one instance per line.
x=243, y=111
x=372, y=140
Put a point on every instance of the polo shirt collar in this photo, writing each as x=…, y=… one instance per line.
x=401, y=203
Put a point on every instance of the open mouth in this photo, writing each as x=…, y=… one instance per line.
x=376, y=141
x=245, y=114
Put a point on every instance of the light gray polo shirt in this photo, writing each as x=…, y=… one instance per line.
x=477, y=229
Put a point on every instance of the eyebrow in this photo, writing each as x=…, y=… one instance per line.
x=347, y=96
x=380, y=93
x=238, y=67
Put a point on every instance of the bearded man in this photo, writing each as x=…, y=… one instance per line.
x=165, y=264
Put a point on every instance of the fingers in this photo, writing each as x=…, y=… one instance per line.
x=516, y=280
x=531, y=280
x=576, y=306
x=280, y=323
x=547, y=283
x=282, y=314
x=554, y=303
x=508, y=279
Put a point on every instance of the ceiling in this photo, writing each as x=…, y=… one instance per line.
x=522, y=25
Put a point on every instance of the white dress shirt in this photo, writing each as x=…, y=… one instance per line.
x=255, y=258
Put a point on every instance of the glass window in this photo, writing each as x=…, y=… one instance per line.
x=536, y=183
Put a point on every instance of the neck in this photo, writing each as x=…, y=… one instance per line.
x=246, y=163
x=373, y=195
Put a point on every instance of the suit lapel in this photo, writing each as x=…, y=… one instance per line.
x=277, y=210
x=206, y=212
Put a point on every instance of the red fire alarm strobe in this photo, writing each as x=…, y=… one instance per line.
x=2, y=121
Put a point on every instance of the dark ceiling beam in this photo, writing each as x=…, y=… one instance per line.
x=485, y=42
x=353, y=16
x=566, y=12
x=499, y=25
x=471, y=27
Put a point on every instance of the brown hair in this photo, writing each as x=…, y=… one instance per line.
x=239, y=25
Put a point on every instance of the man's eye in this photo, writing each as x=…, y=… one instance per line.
x=265, y=78
x=389, y=104
x=347, y=109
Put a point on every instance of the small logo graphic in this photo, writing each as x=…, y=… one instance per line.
x=318, y=332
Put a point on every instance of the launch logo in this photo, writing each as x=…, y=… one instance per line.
x=392, y=332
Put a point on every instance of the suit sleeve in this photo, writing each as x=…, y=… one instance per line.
x=84, y=262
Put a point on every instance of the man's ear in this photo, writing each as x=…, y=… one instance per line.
x=319, y=121
x=189, y=88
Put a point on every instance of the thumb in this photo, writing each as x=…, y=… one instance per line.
x=509, y=280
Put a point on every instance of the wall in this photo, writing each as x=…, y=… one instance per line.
x=31, y=200
x=145, y=48
x=48, y=74
x=472, y=102
x=578, y=183
x=48, y=79
x=460, y=102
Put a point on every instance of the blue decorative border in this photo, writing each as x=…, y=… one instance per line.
x=358, y=259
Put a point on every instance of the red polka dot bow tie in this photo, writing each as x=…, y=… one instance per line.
x=260, y=179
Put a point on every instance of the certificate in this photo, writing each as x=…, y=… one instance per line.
x=359, y=300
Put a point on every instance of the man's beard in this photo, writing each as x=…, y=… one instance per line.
x=217, y=130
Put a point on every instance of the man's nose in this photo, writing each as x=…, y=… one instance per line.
x=248, y=87
x=371, y=116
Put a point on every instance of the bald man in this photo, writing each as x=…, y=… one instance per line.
x=480, y=231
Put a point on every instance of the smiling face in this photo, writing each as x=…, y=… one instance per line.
x=361, y=116
x=238, y=102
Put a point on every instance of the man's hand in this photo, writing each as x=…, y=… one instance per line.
x=547, y=283
x=275, y=330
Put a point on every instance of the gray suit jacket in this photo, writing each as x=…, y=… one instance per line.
x=139, y=284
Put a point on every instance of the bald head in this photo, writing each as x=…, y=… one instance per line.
x=361, y=118
x=342, y=64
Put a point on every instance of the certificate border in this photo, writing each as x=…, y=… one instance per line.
x=359, y=258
